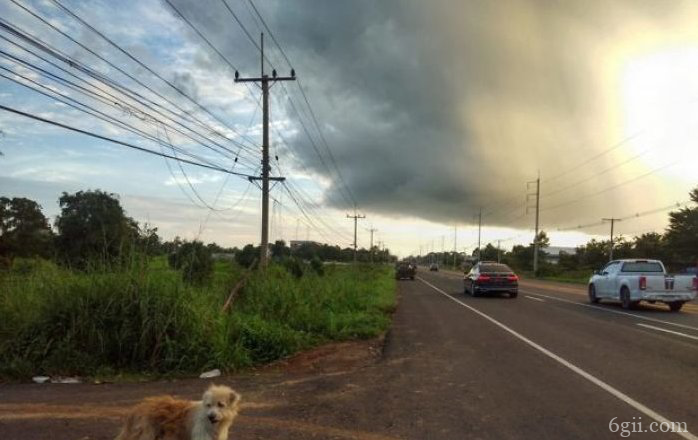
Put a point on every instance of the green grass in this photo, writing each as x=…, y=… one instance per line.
x=580, y=277
x=147, y=321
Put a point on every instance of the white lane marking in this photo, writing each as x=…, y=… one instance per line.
x=668, y=331
x=534, y=298
x=618, y=312
x=598, y=382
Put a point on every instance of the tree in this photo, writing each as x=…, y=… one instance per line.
x=194, y=260
x=93, y=229
x=682, y=233
x=247, y=255
x=279, y=250
x=650, y=245
x=24, y=230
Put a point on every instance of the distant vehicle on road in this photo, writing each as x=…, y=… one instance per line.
x=434, y=267
x=405, y=269
x=632, y=281
x=486, y=276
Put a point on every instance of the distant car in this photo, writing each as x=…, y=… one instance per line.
x=631, y=281
x=405, y=269
x=434, y=267
x=485, y=277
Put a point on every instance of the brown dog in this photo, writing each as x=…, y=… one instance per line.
x=167, y=418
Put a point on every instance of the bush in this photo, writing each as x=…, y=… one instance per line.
x=194, y=260
x=294, y=266
x=317, y=266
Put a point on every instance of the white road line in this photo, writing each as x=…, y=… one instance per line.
x=618, y=312
x=534, y=298
x=598, y=382
x=668, y=331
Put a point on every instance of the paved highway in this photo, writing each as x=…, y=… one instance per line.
x=545, y=365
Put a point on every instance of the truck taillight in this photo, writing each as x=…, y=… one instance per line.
x=482, y=278
x=643, y=283
x=695, y=283
x=512, y=278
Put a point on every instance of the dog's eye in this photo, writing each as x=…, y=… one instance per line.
x=221, y=404
x=208, y=405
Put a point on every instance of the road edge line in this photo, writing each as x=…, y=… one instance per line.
x=598, y=382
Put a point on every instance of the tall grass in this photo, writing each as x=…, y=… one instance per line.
x=145, y=319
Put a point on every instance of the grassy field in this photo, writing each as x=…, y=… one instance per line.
x=147, y=321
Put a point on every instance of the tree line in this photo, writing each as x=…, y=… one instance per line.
x=93, y=230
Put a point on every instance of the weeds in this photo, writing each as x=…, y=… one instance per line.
x=146, y=320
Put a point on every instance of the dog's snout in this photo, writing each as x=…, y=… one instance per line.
x=212, y=418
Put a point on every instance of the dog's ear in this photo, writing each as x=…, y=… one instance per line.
x=234, y=398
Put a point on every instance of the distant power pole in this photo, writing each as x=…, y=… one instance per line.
x=479, y=233
x=455, y=247
x=264, y=81
x=535, y=239
x=613, y=222
x=499, y=255
x=372, y=230
x=356, y=217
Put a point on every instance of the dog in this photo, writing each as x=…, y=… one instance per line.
x=167, y=418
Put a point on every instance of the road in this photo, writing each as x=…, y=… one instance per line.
x=544, y=365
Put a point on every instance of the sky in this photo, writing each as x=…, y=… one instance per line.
x=420, y=114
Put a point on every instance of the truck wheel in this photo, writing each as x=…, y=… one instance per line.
x=592, y=294
x=675, y=306
x=412, y=278
x=514, y=294
x=474, y=291
x=625, y=299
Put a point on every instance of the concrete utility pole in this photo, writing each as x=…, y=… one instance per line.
x=613, y=222
x=264, y=81
x=499, y=254
x=455, y=247
x=372, y=230
x=535, y=238
x=356, y=217
x=479, y=233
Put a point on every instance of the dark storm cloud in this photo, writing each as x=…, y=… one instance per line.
x=433, y=109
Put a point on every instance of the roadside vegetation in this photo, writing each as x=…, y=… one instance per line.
x=130, y=308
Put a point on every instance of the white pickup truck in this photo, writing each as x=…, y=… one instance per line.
x=632, y=281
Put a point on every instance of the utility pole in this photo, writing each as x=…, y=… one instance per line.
x=443, y=251
x=499, y=255
x=613, y=222
x=455, y=247
x=479, y=233
x=356, y=217
x=372, y=230
x=535, y=238
x=264, y=81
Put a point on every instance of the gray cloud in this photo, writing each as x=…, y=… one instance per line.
x=435, y=108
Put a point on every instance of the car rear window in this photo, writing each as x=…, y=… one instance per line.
x=495, y=268
x=642, y=266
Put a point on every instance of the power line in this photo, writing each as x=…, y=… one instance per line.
x=122, y=71
x=116, y=141
x=116, y=104
x=310, y=108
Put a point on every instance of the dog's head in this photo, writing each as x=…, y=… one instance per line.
x=220, y=403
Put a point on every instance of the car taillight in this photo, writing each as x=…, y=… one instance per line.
x=482, y=278
x=512, y=277
x=643, y=283
x=695, y=283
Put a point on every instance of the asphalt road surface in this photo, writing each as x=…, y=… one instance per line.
x=546, y=365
